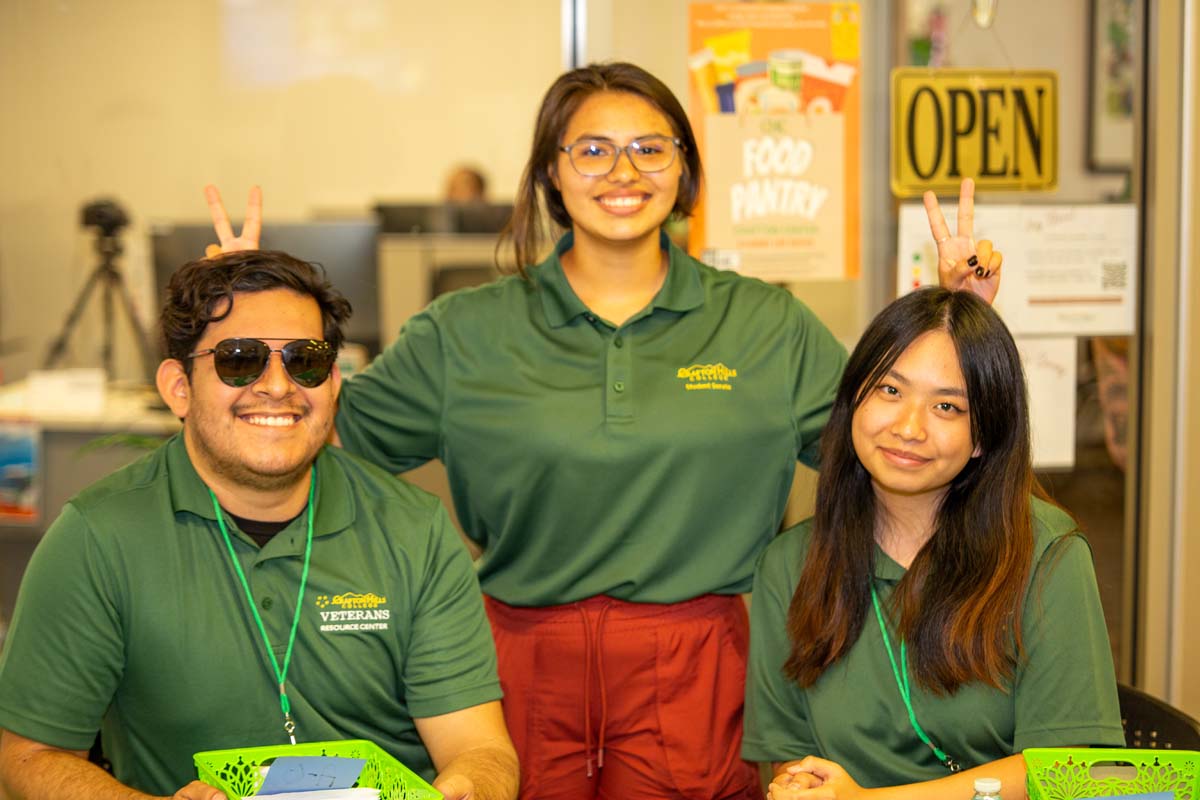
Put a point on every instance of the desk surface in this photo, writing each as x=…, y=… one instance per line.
x=123, y=410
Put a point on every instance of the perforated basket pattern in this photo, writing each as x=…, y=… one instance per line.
x=1065, y=773
x=238, y=774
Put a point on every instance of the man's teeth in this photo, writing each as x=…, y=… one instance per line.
x=622, y=202
x=271, y=421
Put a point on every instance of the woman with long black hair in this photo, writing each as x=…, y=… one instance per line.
x=938, y=613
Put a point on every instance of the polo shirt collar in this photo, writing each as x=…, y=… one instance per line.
x=681, y=291
x=886, y=569
x=334, y=509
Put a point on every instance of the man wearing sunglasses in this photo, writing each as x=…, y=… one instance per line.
x=244, y=585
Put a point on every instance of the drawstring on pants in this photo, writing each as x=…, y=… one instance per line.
x=593, y=652
x=658, y=663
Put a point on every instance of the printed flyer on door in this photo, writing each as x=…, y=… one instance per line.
x=775, y=102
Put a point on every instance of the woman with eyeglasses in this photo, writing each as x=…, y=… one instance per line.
x=937, y=615
x=620, y=424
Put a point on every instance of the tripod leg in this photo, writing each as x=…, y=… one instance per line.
x=139, y=331
x=59, y=346
x=109, y=248
x=106, y=350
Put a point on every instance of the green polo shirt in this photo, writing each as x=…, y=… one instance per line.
x=131, y=619
x=649, y=461
x=1064, y=693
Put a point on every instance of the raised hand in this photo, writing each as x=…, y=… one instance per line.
x=963, y=263
x=251, y=227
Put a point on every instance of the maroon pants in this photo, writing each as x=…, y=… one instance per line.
x=609, y=699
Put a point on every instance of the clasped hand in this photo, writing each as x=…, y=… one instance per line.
x=197, y=790
x=815, y=778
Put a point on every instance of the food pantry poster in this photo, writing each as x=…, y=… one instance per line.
x=775, y=102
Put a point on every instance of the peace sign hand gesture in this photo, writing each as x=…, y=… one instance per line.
x=251, y=228
x=963, y=263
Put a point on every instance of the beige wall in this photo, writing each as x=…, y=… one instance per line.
x=328, y=106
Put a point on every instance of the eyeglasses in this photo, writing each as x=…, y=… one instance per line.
x=240, y=362
x=592, y=158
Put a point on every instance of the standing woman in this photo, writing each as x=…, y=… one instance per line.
x=620, y=425
x=937, y=613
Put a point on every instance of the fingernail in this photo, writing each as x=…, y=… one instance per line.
x=988, y=274
x=979, y=272
x=973, y=261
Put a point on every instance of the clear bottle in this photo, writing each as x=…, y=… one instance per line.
x=987, y=789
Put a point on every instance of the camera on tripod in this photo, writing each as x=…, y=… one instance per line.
x=109, y=218
x=105, y=215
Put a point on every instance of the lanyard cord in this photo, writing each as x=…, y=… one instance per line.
x=289, y=726
x=901, y=675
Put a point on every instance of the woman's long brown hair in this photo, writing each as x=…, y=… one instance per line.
x=958, y=607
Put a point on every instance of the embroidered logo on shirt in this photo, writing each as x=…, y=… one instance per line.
x=707, y=377
x=353, y=611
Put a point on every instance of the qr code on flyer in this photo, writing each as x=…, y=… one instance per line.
x=1114, y=274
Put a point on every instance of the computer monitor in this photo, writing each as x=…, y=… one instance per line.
x=442, y=218
x=346, y=248
x=413, y=218
x=481, y=217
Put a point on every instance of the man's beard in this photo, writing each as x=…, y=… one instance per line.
x=235, y=470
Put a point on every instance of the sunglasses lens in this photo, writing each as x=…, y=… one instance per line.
x=239, y=362
x=308, y=361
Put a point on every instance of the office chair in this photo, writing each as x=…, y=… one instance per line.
x=1151, y=723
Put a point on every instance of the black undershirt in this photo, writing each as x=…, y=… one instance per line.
x=258, y=530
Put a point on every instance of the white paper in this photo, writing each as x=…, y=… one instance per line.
x=328, y=794
x=1068, y=270
x=1050, y=367
x=79, y=391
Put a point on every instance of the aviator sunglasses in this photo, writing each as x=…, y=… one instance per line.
x=240, y=362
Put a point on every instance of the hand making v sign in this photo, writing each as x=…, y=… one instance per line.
x=251, y=227
x=963, y=263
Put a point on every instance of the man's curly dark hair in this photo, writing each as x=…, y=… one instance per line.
x=202, y=292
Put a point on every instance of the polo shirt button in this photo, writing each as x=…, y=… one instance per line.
x=590, y=317
x=618, y=342
x=619, y=386
x=267, y=603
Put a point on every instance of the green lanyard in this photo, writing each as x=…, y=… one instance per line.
x=289, y=725
x=901, y=675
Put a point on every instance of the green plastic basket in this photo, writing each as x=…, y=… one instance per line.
x=238, y=774
x=1065, y=773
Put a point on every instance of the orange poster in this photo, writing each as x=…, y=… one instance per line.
x=775, y=103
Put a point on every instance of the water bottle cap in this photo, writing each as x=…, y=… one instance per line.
x=987, y=785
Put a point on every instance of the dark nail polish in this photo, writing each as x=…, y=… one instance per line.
x=973, y=261
x=979, y=272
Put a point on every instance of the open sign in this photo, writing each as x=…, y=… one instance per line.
x=999, y=127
